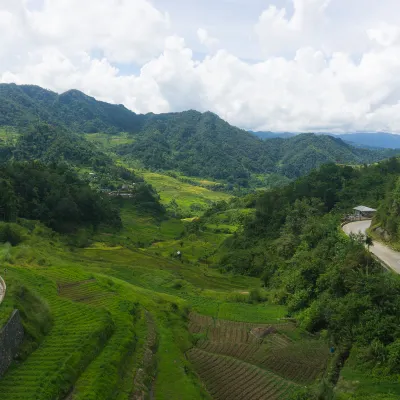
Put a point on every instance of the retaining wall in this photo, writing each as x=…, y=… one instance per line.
x=11, y=337
x=3, y=288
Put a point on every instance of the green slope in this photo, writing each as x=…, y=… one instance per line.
x=196, y=144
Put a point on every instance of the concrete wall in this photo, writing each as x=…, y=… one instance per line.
x=3, y=289
x=11, y=337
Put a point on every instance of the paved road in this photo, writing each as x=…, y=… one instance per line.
x=386, y=254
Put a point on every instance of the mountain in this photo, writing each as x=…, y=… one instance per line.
x=273, y=135
x=205, y=145
x=197, y=144
x=23, y=105
x=368, y=140
x=372, y=140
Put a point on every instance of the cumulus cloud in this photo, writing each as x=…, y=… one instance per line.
x=305, y=80
x=205, y=39
x=280, y=34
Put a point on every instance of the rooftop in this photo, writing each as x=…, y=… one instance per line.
x=364, y=208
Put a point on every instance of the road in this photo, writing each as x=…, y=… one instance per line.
x=384, y=253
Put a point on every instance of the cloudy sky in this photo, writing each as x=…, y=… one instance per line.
x=280, y=65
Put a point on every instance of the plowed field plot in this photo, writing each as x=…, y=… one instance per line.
x=301, y=362
x=229, y=378
x=265, y=348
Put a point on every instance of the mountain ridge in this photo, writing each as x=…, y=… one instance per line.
x=195, y=143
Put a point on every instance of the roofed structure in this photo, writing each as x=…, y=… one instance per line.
x=364, y=209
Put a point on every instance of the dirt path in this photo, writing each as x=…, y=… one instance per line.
x=390, y=257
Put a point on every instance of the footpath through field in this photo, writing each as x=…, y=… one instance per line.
x=384, y=253
x=2, y=289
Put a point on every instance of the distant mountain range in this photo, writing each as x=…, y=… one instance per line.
x=372, y=140
x=197, y=144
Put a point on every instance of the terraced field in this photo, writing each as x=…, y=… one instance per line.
x=245, y=353
x=229, y=378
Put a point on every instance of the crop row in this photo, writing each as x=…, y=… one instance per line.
x=77, y=336
x=85, y=291
x=229, y=378
x=299, y=364
x=145, y=372
x=242, y=351
x=198, y=323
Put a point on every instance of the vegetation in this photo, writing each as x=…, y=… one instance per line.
x=200, y=145
x=53, y=195
x=177, y=289
x=329, y=283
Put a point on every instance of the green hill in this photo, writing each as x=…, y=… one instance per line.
x=196, y=144
x=23, y=105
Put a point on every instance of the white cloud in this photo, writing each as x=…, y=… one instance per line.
x=385, y=35
x=308, y=78
x=206, y=39
x=280, y=34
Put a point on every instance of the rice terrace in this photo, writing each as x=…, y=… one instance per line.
x=112, y=320
x=176, y=257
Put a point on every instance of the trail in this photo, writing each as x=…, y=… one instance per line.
x=389, y=257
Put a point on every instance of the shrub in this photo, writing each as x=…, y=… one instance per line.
x=11, y=233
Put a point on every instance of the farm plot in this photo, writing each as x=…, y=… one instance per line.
x=267, y=347
x=77, y=335
x=87, y=291
x=229, y=378
x=301, y=362
x=146, y=369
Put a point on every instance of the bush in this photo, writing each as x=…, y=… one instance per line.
x=257, y=296
x=394, y=356
x=11, y=233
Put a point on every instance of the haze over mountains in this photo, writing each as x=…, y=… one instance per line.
x=382, y=140
x=197, y=144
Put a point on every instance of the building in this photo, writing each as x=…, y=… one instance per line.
x=361, y=212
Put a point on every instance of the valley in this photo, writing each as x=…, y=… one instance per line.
x=174, y=256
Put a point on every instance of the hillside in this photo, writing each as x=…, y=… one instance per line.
x=369, y=140
x=194, y=143
x=22, y=105
x=205, y=145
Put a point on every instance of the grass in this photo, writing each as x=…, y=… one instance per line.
x=189, y=199
x=107, y=142
x=100, y=299
x=357, y=385
x=96, y=298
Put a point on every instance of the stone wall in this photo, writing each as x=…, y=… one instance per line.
x=3, y=288
x=11, y=337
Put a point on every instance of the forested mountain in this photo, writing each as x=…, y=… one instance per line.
x=273, y=135
x=377, y=139
x=205, y=145
x=20, y=106
x=371, y=140
x=197, y=144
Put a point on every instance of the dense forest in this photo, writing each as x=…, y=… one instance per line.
x=194, y=143
x=53, y=194
x=205, y=145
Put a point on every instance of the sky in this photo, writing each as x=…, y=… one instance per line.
x=269, y=65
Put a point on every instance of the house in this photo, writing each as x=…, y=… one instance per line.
x=361, y=212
